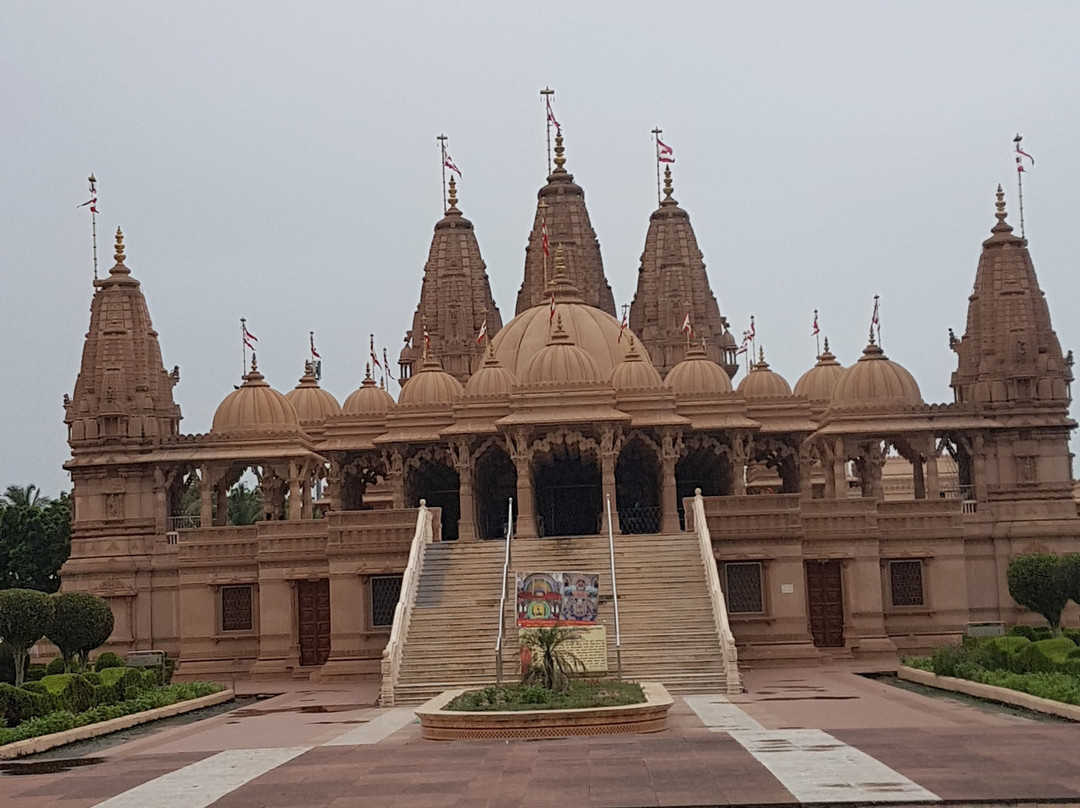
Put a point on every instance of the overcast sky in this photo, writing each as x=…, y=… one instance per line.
x=278, y=161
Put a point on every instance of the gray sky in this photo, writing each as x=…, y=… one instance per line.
x=278, y=161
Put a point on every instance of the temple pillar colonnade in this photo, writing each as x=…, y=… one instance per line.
x=740, y=456
x=611, y=441
x=465, y=463
x=670, y=448
x=839, y=468
x=521, y=454
x=395, y=476
x=933, y=486
x=295, y=492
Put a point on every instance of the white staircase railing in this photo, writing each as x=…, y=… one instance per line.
x=716, y=595
x=502, y=596
x=391, y=659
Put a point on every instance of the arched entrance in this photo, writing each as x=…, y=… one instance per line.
x=568, y=493
x=495, y=483
x=705, y=467
x=637, y=488
x=437, y=483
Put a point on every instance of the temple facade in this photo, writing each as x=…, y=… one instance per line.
x=842, y=515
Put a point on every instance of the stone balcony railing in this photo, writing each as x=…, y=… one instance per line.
x=210, y=546
x=757, y=516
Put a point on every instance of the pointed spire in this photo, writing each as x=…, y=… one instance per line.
x=119, y=268
x=560, y=153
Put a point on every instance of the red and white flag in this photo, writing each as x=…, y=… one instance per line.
x=686, y=328
x=551, y=313
x=544, y=238
x=551, y=114
x=622, y=327
x=815, y=331
x=1020, y=153
x=751, y=332
x=663, y=152
x=92, y=201
x=371, y=349
x=427, y=340
x=483, y=332
x=448, y=161
x=249, y=338
x=314, y=353
x=745, y=342
x=875, y=320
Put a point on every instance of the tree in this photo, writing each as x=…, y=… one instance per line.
x=1040, y=582
x=81, y=623
x=25, y=617
x=35, y=539
x=245, y=505
x=23, y=496
x=551, y=663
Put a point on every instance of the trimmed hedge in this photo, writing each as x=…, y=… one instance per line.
x=108, y=660
x=71, y=691
x=56, y=666
x=61, y=720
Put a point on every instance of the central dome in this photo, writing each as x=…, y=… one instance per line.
x=562, y=361
x=254, y=407
x=593, y=331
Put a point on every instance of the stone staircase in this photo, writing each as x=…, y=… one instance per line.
x=667, y=626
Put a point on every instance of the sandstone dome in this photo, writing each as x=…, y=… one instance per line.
x=697, y=375
x=876, y=381
x=313, y=405
x=255, y=407
x=761, y=382
x=492, y=379
x=818, y=383
x=634, y=373
x=431, y=385
x=368, y=400
x=562, y=362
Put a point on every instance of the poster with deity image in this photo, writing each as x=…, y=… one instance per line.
x=548, y=598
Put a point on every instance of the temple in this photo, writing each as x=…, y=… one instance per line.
x=751, y=521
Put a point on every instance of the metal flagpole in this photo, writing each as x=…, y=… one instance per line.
x=442, y=151
x=543, y=238
x=93, y=218
x=656, y=137
x=817, y=334
x=547, y=92
x=1020, y=179
x=614, y=590
x=243, y=341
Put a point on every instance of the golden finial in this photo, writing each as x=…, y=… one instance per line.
x=560, y=264
x=119, y=256
x=669, y=189
x=761, y=354
x=826, y=344
x=560, y=150
x=1000, y=204
x=367, y=371
x=309, y=368
x=453, y=194
x=631, y=344
x=871, y=334
x=254, y=363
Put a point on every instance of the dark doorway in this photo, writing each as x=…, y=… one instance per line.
x=494, y=484
x=568, y=496
x=437, y=483
x=825, y=601
x=637, y=489
x=313, y=611
x=701, y=467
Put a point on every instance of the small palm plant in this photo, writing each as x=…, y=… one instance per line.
x=551, y=663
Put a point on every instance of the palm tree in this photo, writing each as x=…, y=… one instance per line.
x=245, y=505
x=19, y=496
x=551, y=664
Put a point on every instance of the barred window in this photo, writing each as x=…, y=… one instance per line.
x=743, y=585
x=385, y=591
x=236, y=608
x=905, y=583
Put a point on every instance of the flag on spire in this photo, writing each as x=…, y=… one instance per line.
x=249, y=338
x=752, y=331
x=815, y=331
x=745, y=342
x=314, y=353
x=551, y=114
x=622, y=325
x=875, y=320
x=375, y=363
x=544, y=238
x=448, y=161
x=664, y=152
x=686, y=328
x=551, y=312
x=1020, y=153
x=386, y=362
x=483, y=332
x=427, y=341
x=92, y=201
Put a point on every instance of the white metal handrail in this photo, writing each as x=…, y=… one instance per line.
x=502, y=596
x=391, y=660
x=614, y=591
x=716, y=595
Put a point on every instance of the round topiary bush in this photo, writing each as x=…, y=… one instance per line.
x=25, y=617
x=81, y=623
x=56, y=666
x=108, y=660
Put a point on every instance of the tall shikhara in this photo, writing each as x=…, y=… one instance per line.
x=455, y=299
x=562, y=206
x=123, y=393
x=672, y=284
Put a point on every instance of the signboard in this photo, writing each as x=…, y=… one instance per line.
x=564, y=598
x=589, y=646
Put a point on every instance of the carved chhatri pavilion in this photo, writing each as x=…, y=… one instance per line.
x=561, y=411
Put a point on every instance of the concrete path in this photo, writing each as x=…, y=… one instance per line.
x=818, y=735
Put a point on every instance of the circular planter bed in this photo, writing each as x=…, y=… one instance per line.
x=439, y=724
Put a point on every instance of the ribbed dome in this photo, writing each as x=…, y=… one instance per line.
x=762, y=382
x=818, y=383
x=313, y=405
x=368, y=400
x=562, y=361
x=255, y=407
x=492, y=379
x=594, y=331
x=876, y=381
x=634, y=373
x=430, y=385
x=697, y=375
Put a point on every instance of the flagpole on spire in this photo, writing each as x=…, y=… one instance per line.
x=875, y=320
x=1020, y=154
x=442, y=161
x=547, y=92
x=817, y=333
x=656, y=137
x=544, y=245
x=243, y=339
x=386, y=367
x=92, y=202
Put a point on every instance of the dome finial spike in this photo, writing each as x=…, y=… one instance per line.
x=669, y=187
x=367, y=371
x=119, y=255
x=761, y=353
x=560, y=262
x=826, y=344
x=560, y=150
x=1000, y=204
x=453, y=198
x=254, y=363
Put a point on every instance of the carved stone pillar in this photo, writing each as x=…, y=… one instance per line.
x=395, y=476
x=978, y=457
x=740, y=456
x=933, y=487
x=206, y=497
x=611, y=440
x=918, y=477
x=464, y=462
x=522, y=454
x=840, y=470
x=222, y=491
x=670, y=448
x=875, y=462
x=806, y=464
x=333, y=486
x=307, y=480
x=295, y=486
x=161, y=502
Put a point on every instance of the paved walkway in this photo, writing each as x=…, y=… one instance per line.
x=818, y=735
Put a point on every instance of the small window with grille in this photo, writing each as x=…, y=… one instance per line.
x=385, y=591
x=906, y=583
x=236, y=608
x=743, y=587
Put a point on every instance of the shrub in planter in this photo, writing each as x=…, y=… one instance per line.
x=81, y=623
x=1044, y=656
x=71, y=691
x=35, y=673
x=92, y=677
x=1023, y=631
x=18, y=704
x=56, y=666
x=1041, y=583
x=119, y=684
x=951, y=660
x=108, y=660
x=25, y=617
x=1072, y=633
